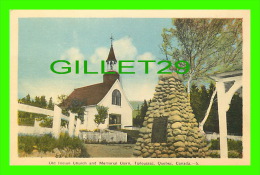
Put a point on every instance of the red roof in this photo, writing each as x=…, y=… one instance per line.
x=90, y=95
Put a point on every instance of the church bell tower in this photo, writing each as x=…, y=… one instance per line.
x=111, y=66
x=111, y=59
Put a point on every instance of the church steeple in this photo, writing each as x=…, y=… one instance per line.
x=111, y=59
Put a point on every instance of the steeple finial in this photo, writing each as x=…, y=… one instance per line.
x=111, y=38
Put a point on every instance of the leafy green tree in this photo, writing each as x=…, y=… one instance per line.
x=72, y=105
x=209, y=45
x=101, y=116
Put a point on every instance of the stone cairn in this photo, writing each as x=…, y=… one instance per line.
x=183, y=138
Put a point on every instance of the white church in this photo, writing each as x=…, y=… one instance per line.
x=110, y=94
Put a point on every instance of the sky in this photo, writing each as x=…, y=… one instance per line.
x=44, y=40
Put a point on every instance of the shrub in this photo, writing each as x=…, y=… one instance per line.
x=215, y=145
x=27, y=143
x=234, y=154
x=235, y=147
x=48, y=143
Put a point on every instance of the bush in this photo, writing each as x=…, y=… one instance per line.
x=48, y=143
x=215, y=145
x=235, y=148
x=234, y=154
x=235, y=145
x=27, y=143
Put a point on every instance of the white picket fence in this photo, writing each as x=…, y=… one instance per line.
x=215, y=136
x=99, y=137
x=74, y=125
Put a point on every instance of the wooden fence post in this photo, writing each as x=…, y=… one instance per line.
x=77, y=127
x=71, y=124
x=56, y=122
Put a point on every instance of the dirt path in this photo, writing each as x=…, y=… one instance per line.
x=110, y=150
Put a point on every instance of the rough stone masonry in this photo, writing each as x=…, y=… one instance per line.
x=170, y=128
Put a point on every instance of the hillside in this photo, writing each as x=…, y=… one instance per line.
x=135, y=104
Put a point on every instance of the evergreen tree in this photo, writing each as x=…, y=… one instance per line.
x=204, y=101
x=212, y=124
x=28, y=99
x=234, y=115
x=50, y=104
x=200, y=98
x=43, y=102
x=195, y=100
x=37, y=101
x=138, y=121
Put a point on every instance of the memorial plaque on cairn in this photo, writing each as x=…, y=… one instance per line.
x=159, y=130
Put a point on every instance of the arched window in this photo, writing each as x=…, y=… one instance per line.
x=116, y=97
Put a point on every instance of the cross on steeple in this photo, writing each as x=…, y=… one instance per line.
x=111, y=38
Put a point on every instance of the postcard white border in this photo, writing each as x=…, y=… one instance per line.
x=16, y=14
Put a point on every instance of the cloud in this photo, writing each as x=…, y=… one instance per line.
x=100, y=53
x=145, y=89
x=72, y=54
x=125, y=49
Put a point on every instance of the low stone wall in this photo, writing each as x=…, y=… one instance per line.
x=99, y=137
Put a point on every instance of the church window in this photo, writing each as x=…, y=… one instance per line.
x=116, y=97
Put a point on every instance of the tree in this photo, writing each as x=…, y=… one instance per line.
x=195, y=101
x=27, y=99
x=50, y=104
x=199, y=100
x=27, y=118
x=102, y=114
x=61, y=99
x=234, y=115
x=209, y=45
x=74, y=105
x=43, y=102
x=37, y=101
x=201, y=124
x=140, y=117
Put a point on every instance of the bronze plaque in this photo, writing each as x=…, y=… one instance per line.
x=159, y=130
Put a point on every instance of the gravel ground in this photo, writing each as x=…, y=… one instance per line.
x=110, y=150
